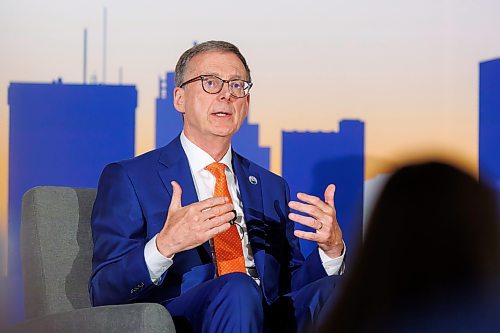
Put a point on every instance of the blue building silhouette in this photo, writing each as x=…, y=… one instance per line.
x=489, y=123
x=246, y=143
x=168, y=120
x=312, y=160
x=169, y=125
x=62, y=134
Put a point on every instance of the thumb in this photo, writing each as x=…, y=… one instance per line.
x=330, y=195
x=176, y=195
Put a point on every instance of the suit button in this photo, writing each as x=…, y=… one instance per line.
x=137, y=288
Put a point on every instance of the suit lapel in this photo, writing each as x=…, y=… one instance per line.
x=174, y=165
x=250, y=186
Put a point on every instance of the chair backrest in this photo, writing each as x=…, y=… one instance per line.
x=56, y=249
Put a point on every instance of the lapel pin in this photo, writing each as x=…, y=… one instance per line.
x=252, y=180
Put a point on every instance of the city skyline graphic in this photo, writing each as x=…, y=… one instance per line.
x=86, y=126
x=399, y=81
x=64, y=134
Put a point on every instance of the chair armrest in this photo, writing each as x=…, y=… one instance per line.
x=139, y=317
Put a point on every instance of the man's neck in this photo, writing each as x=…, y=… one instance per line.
x=215, y=147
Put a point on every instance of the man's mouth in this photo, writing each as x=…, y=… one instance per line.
x=222, y=114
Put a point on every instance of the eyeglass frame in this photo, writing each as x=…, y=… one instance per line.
x=203, y=76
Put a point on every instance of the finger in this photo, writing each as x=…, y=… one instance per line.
x=312, y=236
x=330, y=195
x=305, y=220
x=315, y=201
x=217, y=230
x=211, y=202
x=176, y=195
x=219, y=220
x=216, y=211
x=307, y=208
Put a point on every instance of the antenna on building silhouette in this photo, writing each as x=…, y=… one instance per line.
x=120, y=75
x=85, y=56
x=104, y=32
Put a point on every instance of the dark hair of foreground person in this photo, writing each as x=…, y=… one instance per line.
x=430, y=258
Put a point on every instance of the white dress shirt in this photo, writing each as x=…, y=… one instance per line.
x=204, y=183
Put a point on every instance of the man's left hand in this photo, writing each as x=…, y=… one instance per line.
x=322, y=217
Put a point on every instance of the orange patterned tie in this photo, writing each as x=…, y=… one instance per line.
x=228, y=248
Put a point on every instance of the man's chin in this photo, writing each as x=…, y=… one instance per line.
x=224, y=133
x=224, y=136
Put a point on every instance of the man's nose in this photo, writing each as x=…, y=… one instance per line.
x=225, y=94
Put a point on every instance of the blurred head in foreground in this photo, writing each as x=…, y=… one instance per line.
x=430, y=259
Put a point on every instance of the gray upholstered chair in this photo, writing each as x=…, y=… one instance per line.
x=56, y=247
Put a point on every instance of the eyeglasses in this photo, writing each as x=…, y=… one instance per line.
x=213, y=85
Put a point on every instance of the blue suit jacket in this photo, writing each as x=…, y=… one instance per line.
x=131, y=207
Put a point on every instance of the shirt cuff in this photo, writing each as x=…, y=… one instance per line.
x=333, y=266
x=157, y=263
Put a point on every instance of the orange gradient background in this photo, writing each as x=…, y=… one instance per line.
x=408, y=69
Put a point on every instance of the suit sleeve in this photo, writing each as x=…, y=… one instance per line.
x=119, y=271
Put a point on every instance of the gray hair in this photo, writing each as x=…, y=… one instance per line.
x=210, y=46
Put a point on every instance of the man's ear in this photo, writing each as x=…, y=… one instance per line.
x=179, y=99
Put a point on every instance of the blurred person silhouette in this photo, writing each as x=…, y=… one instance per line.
x=430, y=258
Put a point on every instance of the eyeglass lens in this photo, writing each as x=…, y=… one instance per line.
x=213, y=85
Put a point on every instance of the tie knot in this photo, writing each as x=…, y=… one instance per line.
x=217, y=169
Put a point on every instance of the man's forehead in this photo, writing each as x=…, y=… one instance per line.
x=217, y=63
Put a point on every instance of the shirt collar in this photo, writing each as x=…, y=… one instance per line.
x=198, y=158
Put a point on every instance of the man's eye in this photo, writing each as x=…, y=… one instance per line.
x=211, y=82
x=237, y=85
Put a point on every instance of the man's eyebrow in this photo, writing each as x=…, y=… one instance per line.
x=232, y=77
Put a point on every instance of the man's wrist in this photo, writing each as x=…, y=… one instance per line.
x=333, y=266
x=165, y=249
x=335, y=252
x=156, y=262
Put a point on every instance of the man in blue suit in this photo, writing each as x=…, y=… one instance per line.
x=155, y=218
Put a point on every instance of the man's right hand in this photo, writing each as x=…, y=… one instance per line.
x=192, y=225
